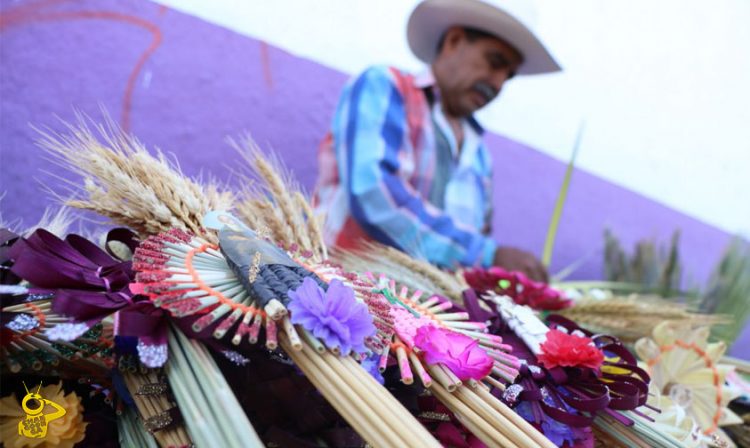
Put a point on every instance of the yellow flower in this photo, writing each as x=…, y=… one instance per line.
x=684, y=367
x=62, y=432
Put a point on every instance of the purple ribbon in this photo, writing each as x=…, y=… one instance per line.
x=88, y=283
x=48, y=262
x=88, y=306
x=145, y=321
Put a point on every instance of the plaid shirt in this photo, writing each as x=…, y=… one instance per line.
x=390, y=170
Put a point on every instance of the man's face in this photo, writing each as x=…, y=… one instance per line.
x=471, y=72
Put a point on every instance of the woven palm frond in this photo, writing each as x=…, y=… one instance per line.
x=654, y=267
x=728, y=291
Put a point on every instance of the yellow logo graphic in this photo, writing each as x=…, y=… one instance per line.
x=34, y=425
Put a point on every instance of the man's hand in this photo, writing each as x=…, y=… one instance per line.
x=513, y=259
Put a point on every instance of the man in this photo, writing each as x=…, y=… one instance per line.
x=405, y=163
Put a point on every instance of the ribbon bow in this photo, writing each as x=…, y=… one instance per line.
x=88, y=285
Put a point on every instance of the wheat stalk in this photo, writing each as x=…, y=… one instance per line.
x=402, y=268
x=218, y=198
x=276, y=202
x=124, y=182
x=260, y=215
x=317, y=241
x=446, y=283
x=630, y=318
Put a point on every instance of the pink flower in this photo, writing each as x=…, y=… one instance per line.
x=517, y=286
x=461, y=354
x=566, y=350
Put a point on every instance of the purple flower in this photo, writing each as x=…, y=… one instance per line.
x=334, y=316
x=557, y=432
x=371, y=364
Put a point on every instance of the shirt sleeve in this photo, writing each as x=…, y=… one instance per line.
x=369, y=131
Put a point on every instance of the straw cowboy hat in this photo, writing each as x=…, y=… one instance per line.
x=510, y=20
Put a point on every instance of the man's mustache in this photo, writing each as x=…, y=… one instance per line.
x=486, y=90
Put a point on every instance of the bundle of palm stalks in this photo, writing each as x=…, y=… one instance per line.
x=195, y=267
x=149, y=395
x=371, y=410
x=488, y=418
x=211, y=411
x=280, y=209
x=131, y=433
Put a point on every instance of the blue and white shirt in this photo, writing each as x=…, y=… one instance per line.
x=391, y=170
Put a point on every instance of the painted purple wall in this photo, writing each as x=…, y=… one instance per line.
x=183, y=85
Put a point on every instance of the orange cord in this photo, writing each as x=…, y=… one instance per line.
x=210, y=291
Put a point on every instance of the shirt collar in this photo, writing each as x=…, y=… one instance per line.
x=426, y=80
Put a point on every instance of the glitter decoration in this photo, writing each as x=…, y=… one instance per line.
x=15, y=290
x=158, y=422
x=279, y=357
x=511, y=394
x=152, y=355
x=435, y=416
x=65, y=351
x=36, y=297
x=235, y=357
x=22, y=323
x=152, y=389
x=66, y=332
x=94, y=332
x=254, y=269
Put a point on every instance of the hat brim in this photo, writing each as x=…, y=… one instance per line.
x=432, y=18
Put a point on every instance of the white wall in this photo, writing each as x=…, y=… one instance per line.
x=662, y=86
